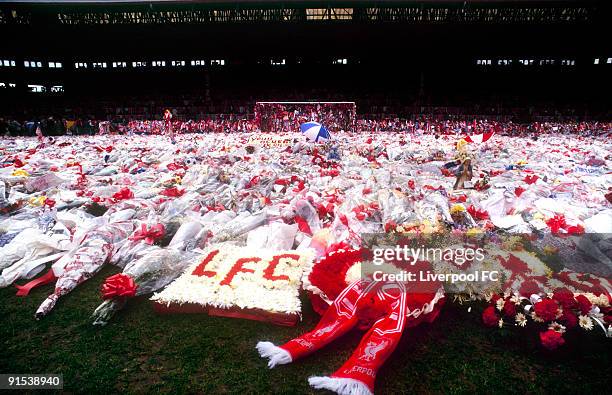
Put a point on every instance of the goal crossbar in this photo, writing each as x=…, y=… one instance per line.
x=305, y=102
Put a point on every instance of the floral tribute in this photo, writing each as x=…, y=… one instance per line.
x=551, y=314
x=240, y=282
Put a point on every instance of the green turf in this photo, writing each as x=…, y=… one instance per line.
x=141, y=352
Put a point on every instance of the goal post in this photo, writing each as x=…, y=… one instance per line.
x=287, y=116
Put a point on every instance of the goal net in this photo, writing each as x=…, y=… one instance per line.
x=288, y=116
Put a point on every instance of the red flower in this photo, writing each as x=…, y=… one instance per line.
x=173, y=192
x=477, y=214
x=49, y=202
x=547, y=309
x=509, y=309
x=123, y=194
x=119, y=285
x=489, y=316
x=411, y=184
x=556, y=223
x=390, y=226
x=565, y=298
x=569, y=319
x=530, y=179
x=551, y=339
x=518, y=191
x=583, y=304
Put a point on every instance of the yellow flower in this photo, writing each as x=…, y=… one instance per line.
x=38, y=201
x=178, y=180
x=473, y=232
x=20, y=173
x=457, y=208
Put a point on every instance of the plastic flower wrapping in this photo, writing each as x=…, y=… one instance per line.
x=150, y=271
x=156, y=211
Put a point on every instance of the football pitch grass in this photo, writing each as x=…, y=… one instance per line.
x=140, y=351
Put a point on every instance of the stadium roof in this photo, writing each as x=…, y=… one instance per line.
x=288, y=2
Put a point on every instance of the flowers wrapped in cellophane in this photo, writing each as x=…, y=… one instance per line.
x=85, y=260
x=150, y=272
x=24, y=256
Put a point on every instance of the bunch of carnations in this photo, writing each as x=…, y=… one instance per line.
x=552, y=314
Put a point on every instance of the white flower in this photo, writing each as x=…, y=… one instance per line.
x=585, y=322
x=520, y=319
x=247, y=290
x=501, y=322
x=535, y=317
x=516, y=299
x=591, y=297
x=603, y=301
x=555, y=326
x=500, y=304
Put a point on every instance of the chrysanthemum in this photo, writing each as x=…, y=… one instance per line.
x=555, y=326
x=520, y=319
x=585, y=322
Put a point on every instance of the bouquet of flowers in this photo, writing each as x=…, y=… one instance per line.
x=150, y=272
x=85, y=260
x=240, y=225
x=20, y=258
x=553, y=314
x=38, y=247
x=138, y=243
